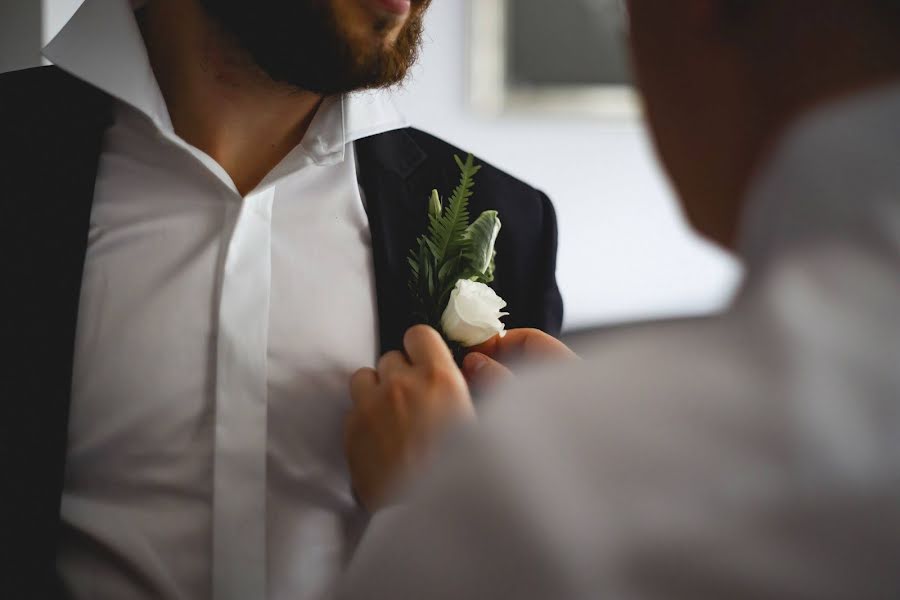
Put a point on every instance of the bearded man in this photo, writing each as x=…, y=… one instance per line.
x=208, y=206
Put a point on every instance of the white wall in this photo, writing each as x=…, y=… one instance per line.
x=625, y=252
x=20, y=34
x=56, y=13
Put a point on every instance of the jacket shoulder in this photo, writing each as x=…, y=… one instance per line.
x=46, y=101
x=440, y=153
x=26, y=81
x=40, y=87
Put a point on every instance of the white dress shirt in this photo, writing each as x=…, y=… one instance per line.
x=751, y=455
x=216, y=334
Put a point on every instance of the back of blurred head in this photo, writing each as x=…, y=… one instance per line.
x=722, y=79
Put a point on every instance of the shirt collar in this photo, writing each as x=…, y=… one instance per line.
x=102, y=45
x=834, y=173
x=347, y=118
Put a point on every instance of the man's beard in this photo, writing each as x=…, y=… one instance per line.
x=301, y=43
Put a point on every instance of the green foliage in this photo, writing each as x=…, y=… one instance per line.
x=452, y=249
x=435, y=205
x=482, y=234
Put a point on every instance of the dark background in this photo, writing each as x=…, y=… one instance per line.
x=566, y=42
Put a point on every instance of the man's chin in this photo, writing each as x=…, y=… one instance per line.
x=355, y=47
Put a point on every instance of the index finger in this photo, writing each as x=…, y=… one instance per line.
x=362, y=382
x=524, y=342
x=424, y=345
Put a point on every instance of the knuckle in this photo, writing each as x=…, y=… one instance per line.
x=367, y=420
x=362, y=372
x=419, y=332
x=398, y=387
x=357, y=396
x=439, y=376
x=364, y=403
x=388, y=359
x=360, y=377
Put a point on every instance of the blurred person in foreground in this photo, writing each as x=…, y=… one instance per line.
x=754, y=454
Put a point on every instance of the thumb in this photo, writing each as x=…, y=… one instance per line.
x=482, y=369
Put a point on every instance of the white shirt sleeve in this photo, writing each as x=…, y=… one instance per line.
x=682, y=475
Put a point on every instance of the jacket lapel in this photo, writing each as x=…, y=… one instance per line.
x=396, y=191
x=47, y=205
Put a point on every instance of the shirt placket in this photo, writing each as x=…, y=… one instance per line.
x=239, y=461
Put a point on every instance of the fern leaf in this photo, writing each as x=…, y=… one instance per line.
x=447, y=231
x=451, y=249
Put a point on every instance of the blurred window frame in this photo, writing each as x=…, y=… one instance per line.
x=492, y=93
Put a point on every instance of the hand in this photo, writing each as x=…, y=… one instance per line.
x=488, y=363
x=400, y=410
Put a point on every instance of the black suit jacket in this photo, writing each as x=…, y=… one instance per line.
x=51, y=130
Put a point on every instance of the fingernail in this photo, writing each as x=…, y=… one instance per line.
x=475, y=362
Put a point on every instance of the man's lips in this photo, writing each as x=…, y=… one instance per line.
x=394, y=7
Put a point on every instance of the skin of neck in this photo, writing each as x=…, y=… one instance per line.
x=720, y=98
x=853, y=67
x=219, y=101
x=746, y=148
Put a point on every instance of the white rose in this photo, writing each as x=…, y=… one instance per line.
x=473, y=314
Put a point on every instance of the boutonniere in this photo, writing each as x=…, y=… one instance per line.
x=452, y=265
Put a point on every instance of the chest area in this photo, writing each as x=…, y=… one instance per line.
x=188, y=291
